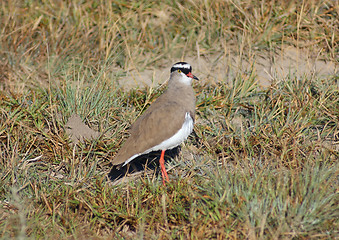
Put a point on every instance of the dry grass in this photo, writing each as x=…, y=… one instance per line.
x=260, y=164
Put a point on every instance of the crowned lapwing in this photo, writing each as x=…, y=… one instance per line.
x=166, y=123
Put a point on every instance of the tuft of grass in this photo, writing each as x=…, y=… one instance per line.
x=273, y=204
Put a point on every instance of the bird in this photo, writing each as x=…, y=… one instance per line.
x=166, y=123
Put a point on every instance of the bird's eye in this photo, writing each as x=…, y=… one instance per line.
x=179, y=71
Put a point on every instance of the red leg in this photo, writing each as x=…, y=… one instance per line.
x=163, y=169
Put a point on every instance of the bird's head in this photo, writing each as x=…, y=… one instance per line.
x=184, y=72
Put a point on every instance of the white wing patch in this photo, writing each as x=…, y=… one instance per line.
x=173, y=141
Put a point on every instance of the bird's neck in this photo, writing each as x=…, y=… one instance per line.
x=185, y=93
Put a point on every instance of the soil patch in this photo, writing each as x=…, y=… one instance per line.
x=215, y=68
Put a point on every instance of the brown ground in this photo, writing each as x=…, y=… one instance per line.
x=268, y=67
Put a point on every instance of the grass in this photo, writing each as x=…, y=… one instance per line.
x=261, y=163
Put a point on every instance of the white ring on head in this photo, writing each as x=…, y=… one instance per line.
x=180, y=65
